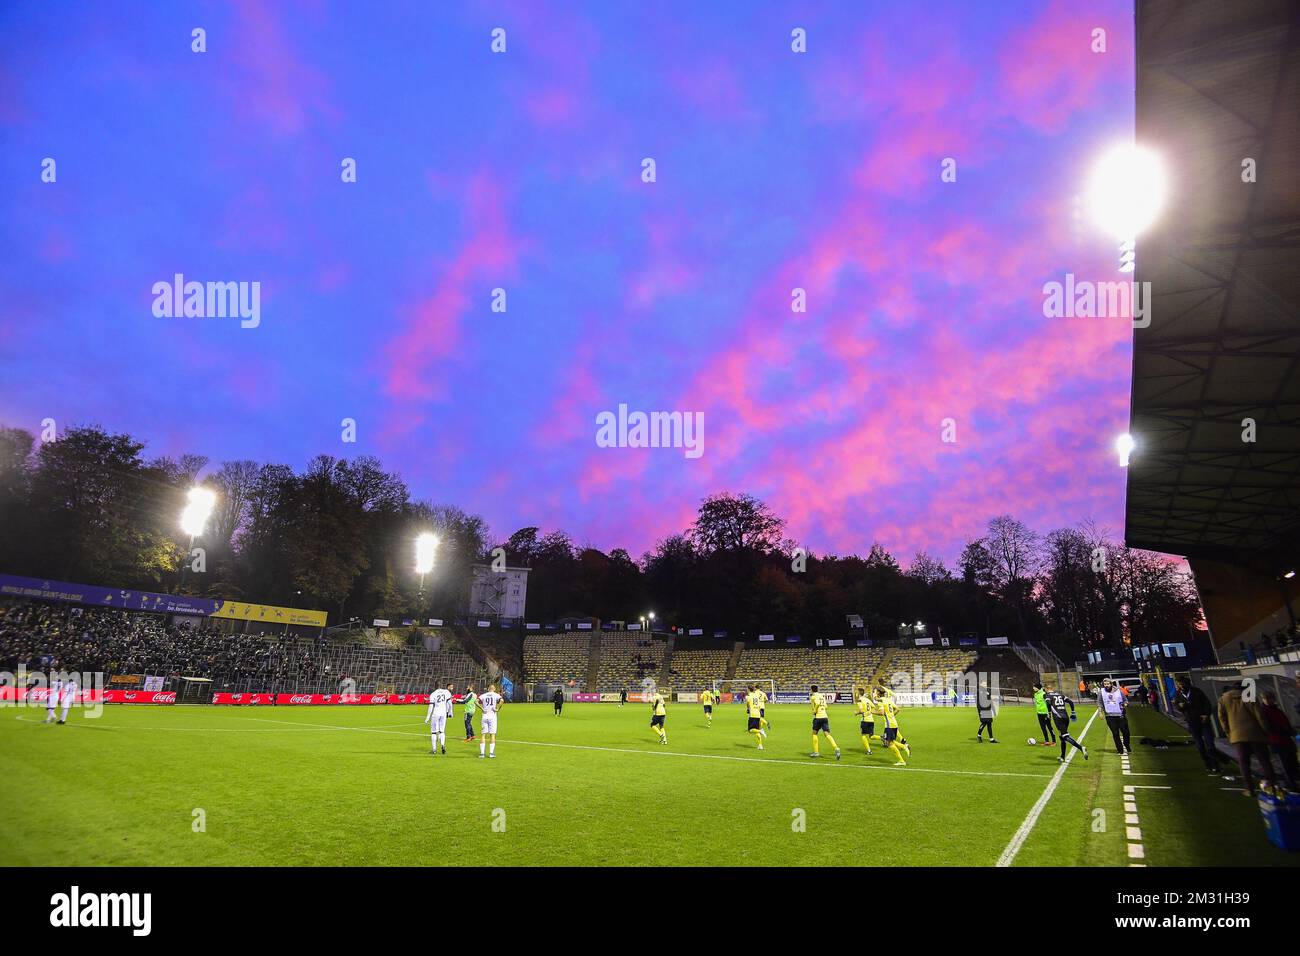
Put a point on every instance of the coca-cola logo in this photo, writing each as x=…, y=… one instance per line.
x=379, y=699
x=300, y=699
x=167, y=697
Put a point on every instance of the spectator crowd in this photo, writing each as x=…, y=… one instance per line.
x=114, y=641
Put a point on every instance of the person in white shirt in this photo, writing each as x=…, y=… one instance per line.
x=440, y=704
x=67, y=697
x=52, y=701
x=1113, y=704
x=491, y=703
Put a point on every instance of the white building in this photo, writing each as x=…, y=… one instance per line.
x=498, y=593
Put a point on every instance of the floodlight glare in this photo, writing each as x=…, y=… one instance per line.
x=200, y=502
x=1124, y=444
x=425, y=546
x=1126, y=191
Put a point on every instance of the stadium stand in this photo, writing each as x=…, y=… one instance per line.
x=691, y=669
x=557, y=658
x=931, y=660
x=113, y=641
x=837, y=669
x=626, y=658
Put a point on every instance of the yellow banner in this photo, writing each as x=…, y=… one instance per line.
x=269, y=614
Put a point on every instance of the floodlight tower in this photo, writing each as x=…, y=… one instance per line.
x=199, y=502
x=426, y=546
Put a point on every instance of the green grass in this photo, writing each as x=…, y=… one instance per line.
x=333, y=785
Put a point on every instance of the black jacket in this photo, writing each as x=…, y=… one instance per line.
x=1194, y=704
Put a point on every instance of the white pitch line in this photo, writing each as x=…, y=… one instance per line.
x=1017, y=841
x=678, y=753
x=800, y=763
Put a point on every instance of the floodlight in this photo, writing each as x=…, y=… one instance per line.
x=1124, y=444
x=198, y=508
x=1126, y=191
x=425, y=546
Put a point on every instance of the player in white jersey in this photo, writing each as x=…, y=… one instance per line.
x=440, y=703
x=52, y=701
x=67, y=697
x=491, y=703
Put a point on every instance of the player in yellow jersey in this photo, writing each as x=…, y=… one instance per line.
x=821, y=723
x=762, y=708
x=884, y=694
x=889, y=713
x=708, y=700
x=754, y=711
x=658, y=711
x=866, y=717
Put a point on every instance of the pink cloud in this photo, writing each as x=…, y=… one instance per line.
x=268, y=82
x=431, y=330
x=1048, y=70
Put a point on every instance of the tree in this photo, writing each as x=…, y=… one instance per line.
x=1014, y=549
x=727, y=522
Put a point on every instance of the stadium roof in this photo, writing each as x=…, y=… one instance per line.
x=1218, y=83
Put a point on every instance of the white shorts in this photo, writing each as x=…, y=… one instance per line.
x=489, y=724
x=438, y=724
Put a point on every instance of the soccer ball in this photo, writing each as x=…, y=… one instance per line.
x=1032, y=741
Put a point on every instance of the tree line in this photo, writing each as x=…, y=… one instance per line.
x=339, y=536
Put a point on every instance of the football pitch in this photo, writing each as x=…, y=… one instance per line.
x=188, y=785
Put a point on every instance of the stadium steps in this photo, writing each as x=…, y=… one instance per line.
x=1034, y=659
x=472, y=647
x=593, y=662
x=497, y=651
x=883, y=670
x=1014, y=676
x=665, y=670
x=734, y=662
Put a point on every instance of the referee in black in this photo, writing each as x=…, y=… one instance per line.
x=558, y=700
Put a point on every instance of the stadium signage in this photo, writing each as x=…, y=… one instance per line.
x=12, y=585
x=39, y=695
